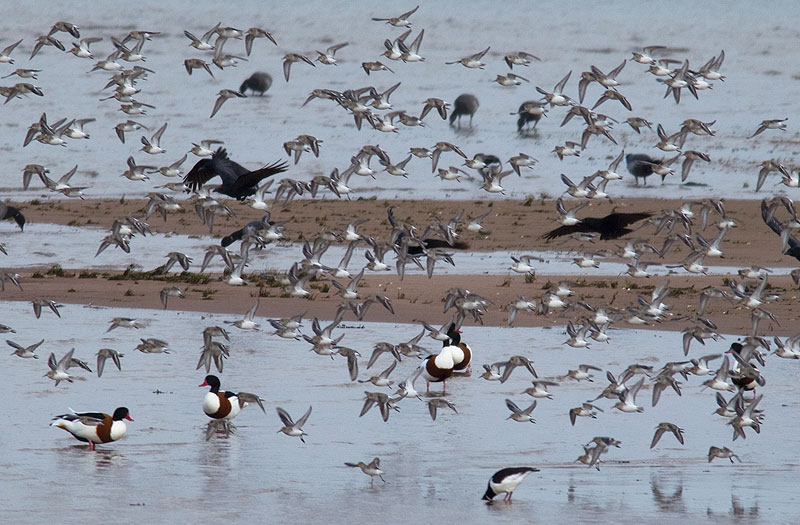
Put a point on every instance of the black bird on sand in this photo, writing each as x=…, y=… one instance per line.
x=237, y=181
x=611, y=226
x=10, y=212
x=641, y=165
x=258, y=82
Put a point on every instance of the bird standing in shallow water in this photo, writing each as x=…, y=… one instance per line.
x=94, y=427
x=465, y=104
x=506, y=481
x=372, y=469
x=258, y=82
x=640, y=165
x=226, y=405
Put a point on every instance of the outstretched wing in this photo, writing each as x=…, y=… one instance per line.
x=251, y=398
x=218, y=165
x=254, y=178
x=609, y=227
x=581, y=227
x=615, y=224
x=286, y=419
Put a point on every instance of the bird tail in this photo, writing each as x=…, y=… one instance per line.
x=232, y=238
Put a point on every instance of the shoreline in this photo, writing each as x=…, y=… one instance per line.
x=512, y=225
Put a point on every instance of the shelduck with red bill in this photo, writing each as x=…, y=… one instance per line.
x=94, y=427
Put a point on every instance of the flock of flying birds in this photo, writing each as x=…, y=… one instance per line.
x=738, y=373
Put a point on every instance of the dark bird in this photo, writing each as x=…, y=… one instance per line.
x=258, y=82
x=465, y=104
x=529, y=112
x=641, y=165
x=237, y=181
x=611, y=226
x=252, y=228
x=10, y=212
x=776, y=226
x=429, y=244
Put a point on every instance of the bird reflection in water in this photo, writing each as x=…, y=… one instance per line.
x=107, y=459
x=737, y=509
x=667, y=501
x=219, y=427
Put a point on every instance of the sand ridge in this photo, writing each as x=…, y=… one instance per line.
x=510, y=225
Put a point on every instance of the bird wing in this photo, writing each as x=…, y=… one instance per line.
x=219, y=164
x=657, y=436
x=609, y=227
x=252, y=398
x=286, y=419
x=253, y=178
x=303, y=419
x=568, y=230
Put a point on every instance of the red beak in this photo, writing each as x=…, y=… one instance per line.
x=128, y=417
x=204, y=383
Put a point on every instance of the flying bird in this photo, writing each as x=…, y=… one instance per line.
x=237, y=181
x=611, y=226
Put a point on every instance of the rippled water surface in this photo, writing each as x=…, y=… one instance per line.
x=435, y=470
x=567, y=36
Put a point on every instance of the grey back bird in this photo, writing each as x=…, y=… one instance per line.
x=372, y=469
x=290, y=428
x=520, y=415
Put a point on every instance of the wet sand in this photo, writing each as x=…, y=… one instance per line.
x=511, y=226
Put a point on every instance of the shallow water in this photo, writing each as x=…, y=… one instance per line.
x=435, y=471
x=255, y=128
x=67, y=247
